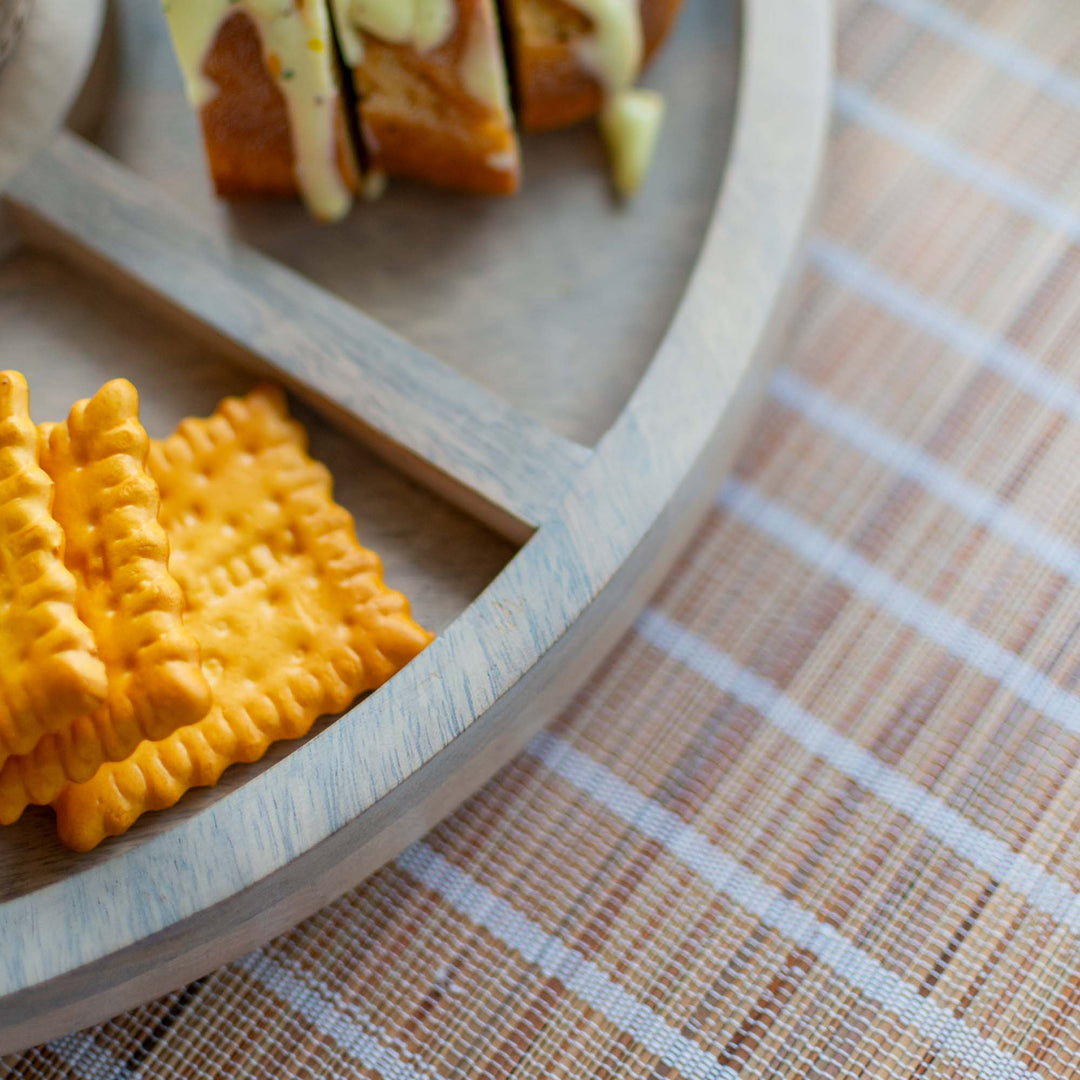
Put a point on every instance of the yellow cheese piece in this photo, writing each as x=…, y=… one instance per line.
x=631, y=123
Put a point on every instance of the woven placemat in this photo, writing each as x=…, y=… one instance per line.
x=818, y=816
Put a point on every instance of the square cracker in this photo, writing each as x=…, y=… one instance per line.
x=50, y=672
x=291, y=612
x=107, y=504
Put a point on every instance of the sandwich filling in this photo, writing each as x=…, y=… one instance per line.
x=298, y=50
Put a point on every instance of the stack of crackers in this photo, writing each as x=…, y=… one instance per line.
x=168, y=609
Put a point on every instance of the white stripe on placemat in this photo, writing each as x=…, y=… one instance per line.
x=855, y=273
x=986, y=852
x=871, y=583
x=853, y=103
x=356, y=1036
x=81, y=1053
x=750, y=892
x=367, y=1045
x=1003, y=54
x=915, y=464
x=557, y=960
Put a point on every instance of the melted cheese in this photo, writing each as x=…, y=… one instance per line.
x=484, y=69
x=631, y=124
x=424, y=24
x=630, y=119
x=298, y=50
x=614, y=51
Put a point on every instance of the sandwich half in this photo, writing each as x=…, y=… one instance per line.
x=432, y=91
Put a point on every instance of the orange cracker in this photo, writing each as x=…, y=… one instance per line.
x=50, y=672
x=107, y=504
x=291, y=612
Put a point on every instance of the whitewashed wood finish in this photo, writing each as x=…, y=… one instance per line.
x=41, y=79
x=494, y=460
x=266, y=854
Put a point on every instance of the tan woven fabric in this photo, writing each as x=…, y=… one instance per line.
x=818, y=816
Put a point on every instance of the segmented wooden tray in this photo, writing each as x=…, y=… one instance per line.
x=528, y=490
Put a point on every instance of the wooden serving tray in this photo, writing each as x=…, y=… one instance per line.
x=528, y=490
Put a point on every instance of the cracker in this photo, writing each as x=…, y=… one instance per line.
x=291, y=612
x=50, y=672
x=107, y=504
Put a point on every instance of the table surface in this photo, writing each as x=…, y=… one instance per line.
x=820, y=815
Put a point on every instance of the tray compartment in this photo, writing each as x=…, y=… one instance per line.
x=556, y=299
x=69, y=333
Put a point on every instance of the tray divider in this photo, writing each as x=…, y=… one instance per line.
x=436, y=425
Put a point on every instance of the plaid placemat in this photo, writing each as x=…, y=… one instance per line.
x=818, y=815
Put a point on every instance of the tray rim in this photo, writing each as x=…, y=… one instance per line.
x=110, y=936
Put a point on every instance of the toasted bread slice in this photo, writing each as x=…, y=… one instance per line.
x=266, y=89
x=555, y=86
x=432, y=93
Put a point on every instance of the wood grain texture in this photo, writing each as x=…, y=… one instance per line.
x=476, y=450
x=256, y=859
x=74, y=335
